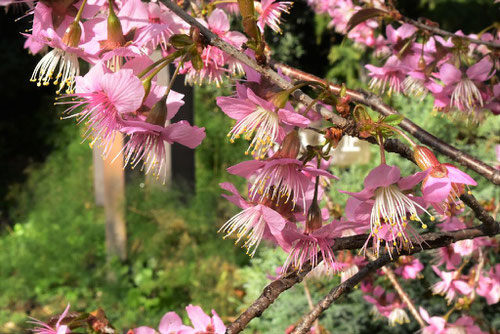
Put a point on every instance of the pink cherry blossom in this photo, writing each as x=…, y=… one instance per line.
x=100, y=100
x=215, y=60
x=169, y=323
x=439, y=325
x=383, y=204
x=489, y=286
x=282, y=177
x=390, y=76
x=388, y=305
x=270, y=12
x=409, y=267
x=162, y=24
x=307, y=246
x=258, y=120
x=436, y=324
x=443, y=186
x=465, y=92
x=202, y=322
x=44, y=328
x=447, y=255
x=257, y=220
x=147, y=143
x=450, y=285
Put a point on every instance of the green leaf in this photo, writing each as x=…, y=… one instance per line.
x=393, y=119
x=180, y=41
x=195, y=58
x=363, y=15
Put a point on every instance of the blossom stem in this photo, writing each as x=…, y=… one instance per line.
x=304, y=113
x=174, y=76
x=80, y=11
x=223, y=1
x=402, y=134
x=380, y=140
x=168, y=58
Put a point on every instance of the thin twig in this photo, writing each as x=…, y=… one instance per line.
x=343, y=288
x=375, y=102
x=431, y=241
x=402, y=293
x=438, y=31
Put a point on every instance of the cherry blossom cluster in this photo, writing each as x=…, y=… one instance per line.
x=96, y=322
x=463, y=272
x=287, y=179
x=457, y=73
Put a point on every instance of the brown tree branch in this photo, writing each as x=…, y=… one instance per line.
x=431, y=241
x=375, y=102
x=437, y=31
x=275, y=288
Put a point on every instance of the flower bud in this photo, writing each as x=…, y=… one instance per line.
x=425, y=158
x=281, y=98
x=290, y=147
x=158, y=114
x=72, y=35
x=314, y=220
x=421, y=63
x=115, y=32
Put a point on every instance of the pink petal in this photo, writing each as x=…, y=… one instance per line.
x=411, y=181
x=457, y=176
x=235, y=108
x=246, y=168
x=174, y=103
x=220, y=328
x=274, y=220
x=218, y=21
x=462, y=287
x=124, y=90
x=144, y=330
x=184, y=134
x=133, y=14
x=481, y=70
x=362, y=195
x=169, y=323
x=293, y=118
x=198, y=318
x=62, y=330
x=382, y=176
x=436, y=190
x=449, y=74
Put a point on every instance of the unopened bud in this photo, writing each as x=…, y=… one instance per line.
x=115, y=31
x=314, y=219
x=147, y=87
x=290, y=147
x=424, y=157
x=72, y=35
x=421, y=63
x=158, y=114
x=280, y=99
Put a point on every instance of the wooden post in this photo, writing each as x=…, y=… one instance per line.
x=183, y=157
x=114, y=201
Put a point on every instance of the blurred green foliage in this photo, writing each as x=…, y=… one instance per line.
x=55, y=252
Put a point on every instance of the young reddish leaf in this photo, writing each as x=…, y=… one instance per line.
x=363, y=15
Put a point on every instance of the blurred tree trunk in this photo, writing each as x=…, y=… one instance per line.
x=109, y=181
